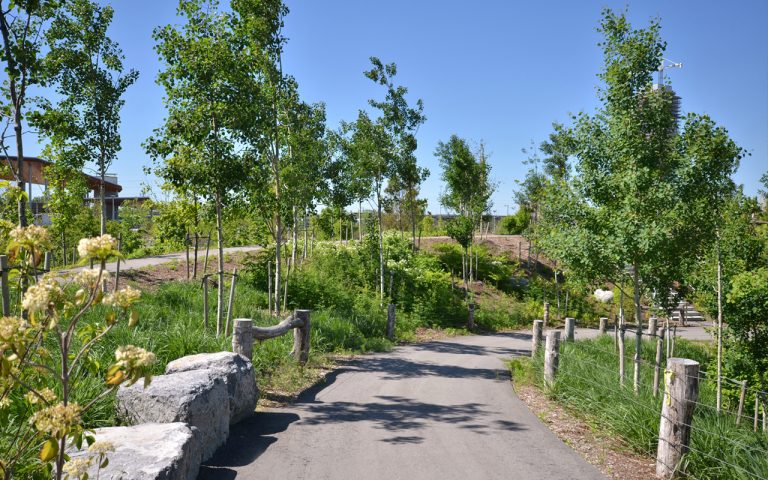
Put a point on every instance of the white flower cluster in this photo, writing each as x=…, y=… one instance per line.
x=89, y=277
x=97, y=248
x=13, y=330
x=39, y=297
x=77, y=468
x=32, y=235
x=101, y=448
x=604, y=296
x=47, y=394
x=131, y=356
x=123, y=298
x=57, y=420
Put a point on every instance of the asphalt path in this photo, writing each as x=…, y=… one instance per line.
x=136, y=263
x=439, y=410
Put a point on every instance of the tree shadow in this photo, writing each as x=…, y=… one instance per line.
x=396, y=414
x=464, y=349
x=399, y=368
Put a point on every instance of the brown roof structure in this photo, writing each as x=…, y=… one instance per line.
x=33, y=172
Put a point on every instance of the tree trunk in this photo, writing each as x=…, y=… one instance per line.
x=220, y=238
x=381, y=247
x=295, y=235
x=360, y=221
x=719, y=393
x=103, y=203
x=20, y=166
x=278, y=261
x=639, y=333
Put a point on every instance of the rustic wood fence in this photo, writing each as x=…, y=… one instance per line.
x=245, y=333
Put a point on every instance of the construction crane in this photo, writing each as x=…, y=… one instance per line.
x=664, y=65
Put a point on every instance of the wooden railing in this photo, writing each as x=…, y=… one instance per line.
x=245, y=334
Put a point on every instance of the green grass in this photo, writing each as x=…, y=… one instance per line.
x=587, y=383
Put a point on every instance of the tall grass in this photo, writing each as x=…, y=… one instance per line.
x=588, y=383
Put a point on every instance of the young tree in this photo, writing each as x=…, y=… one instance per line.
x=622, y=214
x=22, y=25
x=203, y=78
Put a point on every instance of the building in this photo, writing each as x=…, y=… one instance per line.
x=33, y=175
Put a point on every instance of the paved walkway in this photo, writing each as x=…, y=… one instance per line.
x=136, y=263
x=440, y=410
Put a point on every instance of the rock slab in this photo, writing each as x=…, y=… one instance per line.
x=198, y=398
x=237, y=372
x=152, y=451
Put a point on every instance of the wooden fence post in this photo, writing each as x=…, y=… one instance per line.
x=652, y=323
x=742, y=398
x=546, y=314
x=538, y=332
x=471, y=318
x=301, y=337
x=622, y=348
x=231, y=301
x=551, y=356
x=681, y=391
x=47, y=261
x=194, y=257
x=570, y=329
x=242, y=338
x=4, y=288
x=657, y=365
x=391, y=321
x=603, y=326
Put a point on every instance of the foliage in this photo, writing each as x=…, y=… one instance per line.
x=515, y=224
x=48, y=357
x=747, y=310
x=461, y=229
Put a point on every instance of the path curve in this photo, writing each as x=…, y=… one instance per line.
x=440, y=410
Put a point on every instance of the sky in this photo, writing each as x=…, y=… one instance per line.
x=500, y=71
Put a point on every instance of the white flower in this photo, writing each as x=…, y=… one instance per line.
x=31, y=236
x=89, y=277
x=57, y=420
x=77, y=468
x=39, y=297
x=603, y=296
x=133, y=357
x=124, y=298
x=97, y=248
x=101, y=448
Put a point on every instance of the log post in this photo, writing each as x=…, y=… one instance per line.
x=551, y=356
x=471, y=317
x=301, y=337
x=4, y=288
x=652, y=323
x=47, y=262
x=603, y=326
x=538, y=332
x=242, y=338
x=570, y=329
x=546, y=314
x=622, y=349
x=742, y=398
x=657, y=365
x=681, y=391
x=391, y=321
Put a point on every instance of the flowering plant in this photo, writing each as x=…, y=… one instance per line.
x=44, y=377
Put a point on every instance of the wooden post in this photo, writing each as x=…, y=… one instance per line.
x=757, y=409
x=242, y=338
x=570, y=329
x=546, y=314
x=742, y=398
x=652, y=323
x=657, y=365
x=681, y=391
x=186, y=247
x=231, y=300
x=301, y=337
x=674, y=336
x=471, y=317
x=205, y=301
x=4, y=287
x=538, y=332
x=551, y=356
x=47, y=262
x=622, y=348
x=74, y=255
x=615, y=337
x=194, y=265
x=391, y=321
x=207, y=249
x=117, y=269
x=269, y=286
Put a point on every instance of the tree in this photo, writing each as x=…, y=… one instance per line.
x=402, y=123
x=203, y=79
x=87, y=67
x=622, y=213
x=22, y=25
x=461, y=229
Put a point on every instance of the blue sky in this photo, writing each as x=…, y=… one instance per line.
x=492, y=70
